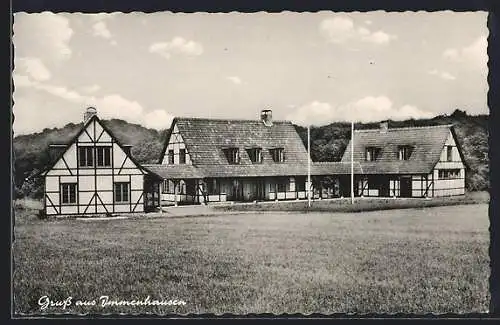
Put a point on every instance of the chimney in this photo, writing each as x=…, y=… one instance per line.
x=384, y=126
x=91, y=111
x=266, y=116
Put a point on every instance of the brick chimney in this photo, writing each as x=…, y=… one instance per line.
x=91, y=111
x=266, y=116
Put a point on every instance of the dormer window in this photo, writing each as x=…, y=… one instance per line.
x=232, y=155
x=255, y=155
x=171, y=157
x=278, y=154
x=404, y=152
x=371, y=153
x=449, y=153
x=182, y=156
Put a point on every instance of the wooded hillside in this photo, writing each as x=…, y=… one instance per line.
x=327, y=144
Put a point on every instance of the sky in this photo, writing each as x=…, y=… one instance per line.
x=310, y=68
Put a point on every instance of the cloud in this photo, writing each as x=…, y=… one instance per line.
x=43, y=35
x=177, y=45
x=367, y=109
x=442, y=74
x=158, y=119
x=109, y=106
x=379, y=37
x=91, y=88
x=475, y=55
x=34, y=67
x=342, y=29
x=102, y=16
x=235, y=80
x=101, y=29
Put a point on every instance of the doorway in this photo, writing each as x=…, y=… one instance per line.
x=405, y=186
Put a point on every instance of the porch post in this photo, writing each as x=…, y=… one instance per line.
x=159, y=197
x=175, y=192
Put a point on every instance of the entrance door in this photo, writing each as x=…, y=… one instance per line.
x=151, y=194
x=384, y=186
x=261, y=192
x=405, y=186
x=237, y=190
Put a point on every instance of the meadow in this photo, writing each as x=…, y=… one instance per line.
x=415, y=260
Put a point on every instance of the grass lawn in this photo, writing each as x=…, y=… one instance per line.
x=411, y=260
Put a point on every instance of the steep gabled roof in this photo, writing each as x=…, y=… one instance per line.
x=205, y=140
x=426, y=142
x=105, y=128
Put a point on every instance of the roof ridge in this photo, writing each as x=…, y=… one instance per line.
x=225, y=120
x=408, y=128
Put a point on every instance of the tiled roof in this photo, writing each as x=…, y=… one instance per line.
x=205, y=139
x=255, y=170
x=175, y=171
x=426, y=142
x=334, y=168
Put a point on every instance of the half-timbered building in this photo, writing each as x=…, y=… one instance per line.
x=95, y=174
x=217, y=160
x=407, y=162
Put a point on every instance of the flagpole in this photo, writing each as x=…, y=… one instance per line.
x=309, y=165
x=352, y=162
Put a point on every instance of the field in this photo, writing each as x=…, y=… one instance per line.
x=432, y=259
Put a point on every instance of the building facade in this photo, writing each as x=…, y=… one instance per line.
x=215, y=160
x=95, y=174
x=408, y=162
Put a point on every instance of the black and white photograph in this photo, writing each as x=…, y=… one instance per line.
x=323, y=162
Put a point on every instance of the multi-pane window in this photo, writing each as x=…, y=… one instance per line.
x=233, y=155
x=449, y=173
x=282, y=185
x=121, y=192
x=86, y=156
x=449, y=153
x=68, y=193
x=103, y=156
x=255, y=155
x=182, y=156
x=278, y=154
x=171, y=157
x=168, y=186
x=404, y=152
x=371, y=153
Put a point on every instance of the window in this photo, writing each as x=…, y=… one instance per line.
x=278, y=154
x=68, y=193
x=122, y=192
x=86, y=156
x=103, y=156
x=449, y=153
x=371, y=153
x=168, y=186
x=300, y=184
x=233, y=155
x=255, y=155
x=281, y=187
x=170, y=157
x=404, y=152
x=182, y=156
x=449, y=173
